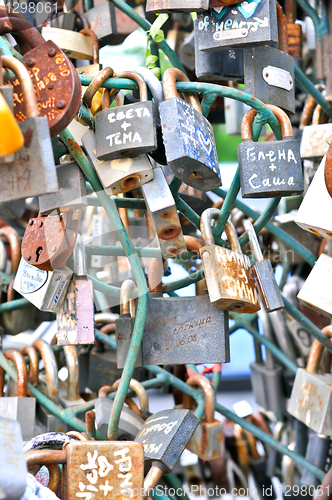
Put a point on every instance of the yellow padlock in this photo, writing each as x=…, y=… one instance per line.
x=11, y=137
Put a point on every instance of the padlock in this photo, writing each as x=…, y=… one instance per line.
x=294, y=31
x=91, y=69
x=33, y=371
x=230, y=283
x=206, y=441
x=44, y=289
x=188, y=136
x=126, y=131
x=48, y=385
x=257, y=465
x=72, y=191
x=69, y=394
x=102, y=367
x=267, y=377
x=313, y=216
x=178, y=330
x=101, y=19
x=130, y=423
x=310, y=401
x=65, y=20
x=269, y=72
x=47, y=242
x=164, y=436
x=314, y=143
x=75, y=320
x=263, y=273
x=272, y=168
x=21, y=407
x=318, y=452
x=176, y=5
x=124, y=324
x=163, y=215
x=75, y=45
x=13, y=468
x=121, y=175
x=253, y=23
x=52, y=73
x=33, y=170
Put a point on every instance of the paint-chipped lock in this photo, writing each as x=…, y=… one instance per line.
x=272, y=168
x=228, y=275
x=311, y=398
x=75, y=320
x=32, y=171
x=206, y=442
x=188, y=136
x=176, y=5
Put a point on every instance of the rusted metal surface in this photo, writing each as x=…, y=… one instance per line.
x=99, y=79
x=193, y=244
x=282, y=29
x=126, y=288
x=173, y=75
x=90, y=423
x=156, y=272
x=152, y=478
x=45, y=457
x=92, y=35
x=51, y=368
x=71, y=354
x=140, y=392
x=316, y=352
x=55, y=477
x=22, y=373
x=47, y=243
x=327, y=170
x=33, y=363
x=9, y=233
x=103, y=467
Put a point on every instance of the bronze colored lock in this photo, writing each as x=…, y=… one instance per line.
x=56, y=82
x=47, y=242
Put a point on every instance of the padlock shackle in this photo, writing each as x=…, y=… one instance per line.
x=282, y=29
x=59, y=8
x=207, y=234
x=193, y=244
x=98, y=80
x=140, y=392
x=253, y=241
x=153, y=84
x=267, y=330
x=246, y=125
x=316, y=352
x=11, y=235
x=73, y=388
x=89, y=32
x=282, y=117
x=30, y=101
x=22, y=373
x=79, y=257
x=173, y=75
x=156, y=273
x=45, y=457
x=309, y=106
x=142, y=88
x=328, y=170
x=126, y=303
x=31, y=352
x=210, y=398
x=51, y=368
x=317, y=115
x=15, y=24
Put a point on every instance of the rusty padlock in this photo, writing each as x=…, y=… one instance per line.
x=56, y=82
x=48, y=241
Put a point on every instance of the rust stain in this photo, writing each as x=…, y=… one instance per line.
x=28, y=137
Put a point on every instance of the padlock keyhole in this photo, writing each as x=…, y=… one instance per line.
x=38, y=252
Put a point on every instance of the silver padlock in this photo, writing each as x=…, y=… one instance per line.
x=70, y=395
x=44, y=289
x=163, y=215
x=121, y=175
x=21, y=407
x=32, y=172
x=176, y=5
x=72, y=191
x=263, y=273
x=75, y=319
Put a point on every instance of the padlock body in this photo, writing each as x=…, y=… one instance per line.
x=21, y=409
x=13, y=468
x=314, y=143
x=33, y=172
x=166, y=434
x=130, y=423
x=237, y=25
x=267, y=386
x=179, y=330
x=46, y=422
x=74, y=44
x=269, y=74
x=206, y=441
x=102, y=21
x=44, y=289
x=189, y=144
x=113, y=462
x=270, y=169
x=229, y=278
x=72, y=191
x=120, y=175
x=64, y=21
x=313, y=216
x=311, y=401
x=267, y=286
x=163, y=215
x=318, y=453
x=176, y=5
x=126, y=131
x=75, y=320
x=316, y=291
